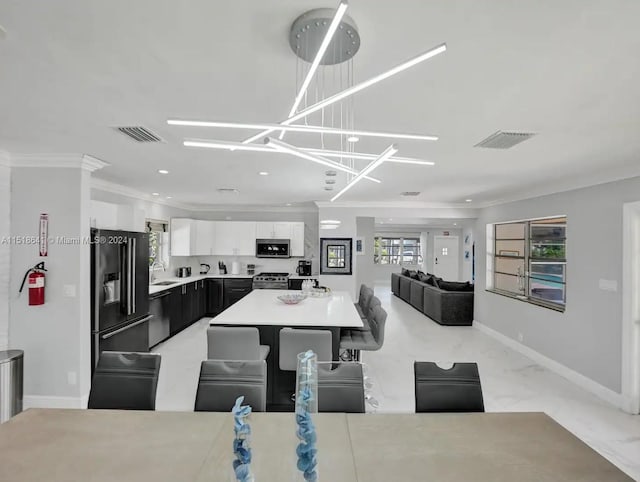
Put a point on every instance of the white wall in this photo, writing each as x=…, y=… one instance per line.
x=346, y=229
x=587, y=336
x=365, y=267
x=55, y=336
x=5, y=253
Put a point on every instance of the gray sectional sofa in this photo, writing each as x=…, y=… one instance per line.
x=445, y=306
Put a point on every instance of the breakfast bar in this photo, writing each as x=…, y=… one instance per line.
x=262, y=309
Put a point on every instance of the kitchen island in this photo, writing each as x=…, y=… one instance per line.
x=262, y=309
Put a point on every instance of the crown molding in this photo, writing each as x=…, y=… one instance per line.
x=102, y=185
x=112, y=187
x=68, y=161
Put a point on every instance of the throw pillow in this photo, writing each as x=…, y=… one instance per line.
x=413, y=274
x=455, y=286
x=423, y=277
x=404, y=272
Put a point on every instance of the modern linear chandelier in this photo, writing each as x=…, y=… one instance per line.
x=325, y=42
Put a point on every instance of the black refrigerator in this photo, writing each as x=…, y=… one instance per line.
x=119, y=292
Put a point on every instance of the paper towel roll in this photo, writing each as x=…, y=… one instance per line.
x=235, y=267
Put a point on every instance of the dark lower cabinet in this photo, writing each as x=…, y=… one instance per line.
x=176, y=313
x=235, y=290
x=215, y=293
x=180, y=307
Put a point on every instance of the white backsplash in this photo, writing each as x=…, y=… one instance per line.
x=287, y=265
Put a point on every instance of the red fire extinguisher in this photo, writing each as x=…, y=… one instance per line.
x=36, y=284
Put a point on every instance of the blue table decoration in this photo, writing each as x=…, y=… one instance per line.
x=306, y=404
x=241, y=448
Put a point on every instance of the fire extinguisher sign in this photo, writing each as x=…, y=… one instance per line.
x=44, y=234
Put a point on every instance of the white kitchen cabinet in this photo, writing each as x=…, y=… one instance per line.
x=205, y=238
x=297, y=239
x=235, y=238
x=116, y=216
x=192, y=237
x=182, y=236
x=270, y=230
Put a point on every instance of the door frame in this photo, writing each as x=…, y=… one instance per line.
x=433, y=253
x=631, y=307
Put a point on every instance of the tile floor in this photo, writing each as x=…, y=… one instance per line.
x=510, y=381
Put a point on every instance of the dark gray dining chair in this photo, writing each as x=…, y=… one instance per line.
x=222, y=382
x=235, y=343
x=340, y=387
x=125, y=381
x=356, y=340
x=295, y=341
x=456, y=389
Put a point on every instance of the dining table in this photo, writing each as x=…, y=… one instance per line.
x=67, y=445
x=262, y=308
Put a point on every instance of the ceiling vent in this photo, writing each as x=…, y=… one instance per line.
x=140, y=134
x=410, y=193
x=504, y=140
x=228, y=190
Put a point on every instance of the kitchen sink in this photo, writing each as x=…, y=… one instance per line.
x=163, y=283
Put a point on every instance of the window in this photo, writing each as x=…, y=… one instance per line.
x=529, y=261
x=158, y=243
x=397, y=251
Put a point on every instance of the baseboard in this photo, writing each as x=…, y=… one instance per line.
x=39, y=401
x=583, y=382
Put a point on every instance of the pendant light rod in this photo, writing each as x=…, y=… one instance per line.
x=354, y=89
x=340, y=11
x=388, y=152
x=231, y=146
x=288, y=148
x=302, y=128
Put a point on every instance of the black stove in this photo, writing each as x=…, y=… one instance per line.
x=271, y=281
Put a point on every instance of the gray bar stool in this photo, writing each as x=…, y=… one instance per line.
x=235, y=343
x=356, y=340
x=294, y=341
x=125, y=381
x=222, y=382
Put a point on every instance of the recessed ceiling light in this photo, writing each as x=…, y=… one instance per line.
x=163, y=171
x=353, y=138
x=390, y=219
x=331, y=173
x=330, y=181
x=155, y=193
x=330, y=221
x=328, y=188
x=168, y=197
x=288, y=204
x=228, y=218
x=263, y=173
x=455, y=224
x=468, y=200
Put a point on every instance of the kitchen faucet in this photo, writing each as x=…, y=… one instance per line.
x=152, y=277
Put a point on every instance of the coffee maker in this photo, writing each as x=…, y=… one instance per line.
x=304, y=268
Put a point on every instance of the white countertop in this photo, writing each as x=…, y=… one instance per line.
x=153, y=289
x=297, y=276
x=262, y=307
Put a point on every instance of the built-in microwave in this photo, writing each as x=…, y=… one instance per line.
x=272, y=248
